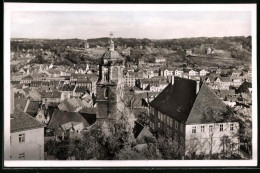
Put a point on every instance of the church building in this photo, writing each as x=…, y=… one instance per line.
x=110, y=85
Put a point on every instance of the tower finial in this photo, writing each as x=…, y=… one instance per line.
x=111, y=34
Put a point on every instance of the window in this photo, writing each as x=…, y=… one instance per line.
x=170, y=122
x=21, y=156
x=159, y=125
x=21, y=138
x=193, y=129
x=176, y=125
x=210, y=128
x=221, y=127
x=202, y=128
x=231, y=127
x=106, y=93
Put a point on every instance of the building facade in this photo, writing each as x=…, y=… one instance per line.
x=27, y=138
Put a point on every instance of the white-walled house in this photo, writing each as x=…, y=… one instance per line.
x=178, y=72
x=27, y=138
x=190, y=112
x=193, y=73
x=203, y=72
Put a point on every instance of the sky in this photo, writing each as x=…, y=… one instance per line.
x=132, y=24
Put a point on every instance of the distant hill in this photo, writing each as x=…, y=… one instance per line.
x=237, y=48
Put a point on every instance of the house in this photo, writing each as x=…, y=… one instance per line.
x=26, y=79
x=188, y=52
x=193, y=73
x=178, y=72
x=84, y=82
x=236, y=82
x=236, y=73
x=218, y=71
x=27, y=138
x=35, y=84
x=89, y=114
x=79, y=91
x=203, y=72
x=33, y=94
x=160, y=60
x=67, y=91
x=166, y=72
x=183, y=111
x=32, y=107
x=52, y=96
x=158, y=87
x=130, y=78
x=209, y=50
x=225, y=82
x=42, y=117
x=61, y=119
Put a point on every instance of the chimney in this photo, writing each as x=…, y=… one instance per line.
x=197, y=86
x=172, y=80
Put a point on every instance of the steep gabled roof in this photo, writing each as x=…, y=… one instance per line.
x=21, y=121
x=33, y=107
x=81, y=89
x=176, y=100
x=62, y=117
x=29, y=77
x=207, y=107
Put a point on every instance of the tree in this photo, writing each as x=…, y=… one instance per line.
x=170, y=149
x=58, y=149
x=104, y=140
x=243, y=88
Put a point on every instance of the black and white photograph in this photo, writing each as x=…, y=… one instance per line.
x=124, y=85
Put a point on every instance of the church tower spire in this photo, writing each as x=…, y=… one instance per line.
x=111, y=45
x=110, y=85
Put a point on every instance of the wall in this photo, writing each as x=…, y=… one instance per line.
x=33, y=147
x=205, y=141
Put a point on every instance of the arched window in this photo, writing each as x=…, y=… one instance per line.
x=106, y=93
x=114, y=72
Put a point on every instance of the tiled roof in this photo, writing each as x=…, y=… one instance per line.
x=15, y=82
x=36, y=82
x=50, y=94
x=62, y=117
x=20, y=103
x=81, y=89
x=68, y=87
x=176, y=100
x=33, y=108
x=27, y=78
x=206, y=108
x=225, y=79
x=21, y=121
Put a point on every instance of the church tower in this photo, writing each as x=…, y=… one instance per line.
x=110, y=84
